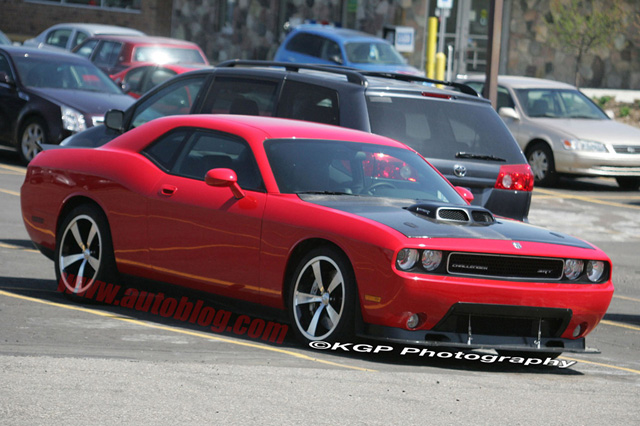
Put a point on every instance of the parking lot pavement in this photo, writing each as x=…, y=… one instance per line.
x=80, y=364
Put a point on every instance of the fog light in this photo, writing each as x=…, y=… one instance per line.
x=406, y=259
x=573, y=268
x=580, y=328
x=595, y=269
x=413, y=321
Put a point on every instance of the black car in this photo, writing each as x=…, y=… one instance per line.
x=46, y=96
x=454, y=128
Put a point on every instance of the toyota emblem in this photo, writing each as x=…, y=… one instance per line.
x=459, y=170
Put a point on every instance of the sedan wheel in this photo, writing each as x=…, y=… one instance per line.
x=84, y=252
x=540, y=159
x=322, y=297
x=32, y=137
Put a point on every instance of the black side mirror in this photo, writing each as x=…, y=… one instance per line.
x=114, y=119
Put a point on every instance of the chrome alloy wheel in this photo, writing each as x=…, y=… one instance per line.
x=80, y=253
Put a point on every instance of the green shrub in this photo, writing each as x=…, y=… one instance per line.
x=603, y=100
x=625, y=111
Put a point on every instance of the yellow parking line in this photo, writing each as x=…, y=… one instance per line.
x=187, y=332
x=633, y=299
x=587, y=199
x=13, y=247
x=630, y=370
x=12, y=168
x=7, y=191
x=619, y=324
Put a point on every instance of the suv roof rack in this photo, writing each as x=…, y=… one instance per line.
x=413, y=78
x=353, y=76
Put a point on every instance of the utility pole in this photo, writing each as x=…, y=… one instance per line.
x=493, y=52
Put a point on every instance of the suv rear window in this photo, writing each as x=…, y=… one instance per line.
x=441, y=128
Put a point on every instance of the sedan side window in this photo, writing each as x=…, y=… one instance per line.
x=240, y=96
x=87, y=48
x=307, y=44
x=107, y=54
x=309, y=102
x=175, y=99
x=59, y=38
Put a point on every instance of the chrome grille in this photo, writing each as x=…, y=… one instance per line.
x=627, y=149
x=501, y=266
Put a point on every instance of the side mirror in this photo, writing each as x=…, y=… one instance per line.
x=6, y=79
x=465, y=193
x=114, y=119
x=506, y=112
x=224, y=178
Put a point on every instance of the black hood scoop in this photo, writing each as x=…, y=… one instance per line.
x=448, y=213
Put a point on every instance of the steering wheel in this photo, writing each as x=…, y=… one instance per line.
x=372, y=189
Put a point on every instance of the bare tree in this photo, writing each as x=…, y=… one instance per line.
x=580, y=26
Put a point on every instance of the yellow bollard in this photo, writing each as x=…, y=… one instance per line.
x=431, y=46
x=441, y=62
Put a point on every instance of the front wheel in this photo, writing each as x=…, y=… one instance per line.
x=32, y=137
x=84, y=251
x=322, y=297
x=540, y=158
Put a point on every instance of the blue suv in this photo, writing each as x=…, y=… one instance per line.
x=326, y=45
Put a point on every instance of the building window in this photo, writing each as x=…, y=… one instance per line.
x=103, y=4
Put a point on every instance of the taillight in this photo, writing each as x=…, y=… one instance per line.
x=516, y=177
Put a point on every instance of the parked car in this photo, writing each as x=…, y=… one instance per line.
x=347, y=231
x=563, y=132
x=4, y=39
x=139, y=79
x=113, y=54
x=68, y=35
x=46, y=96
x=459, y=133
x=322, y=44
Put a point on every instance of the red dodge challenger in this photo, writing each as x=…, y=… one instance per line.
x=349, y=232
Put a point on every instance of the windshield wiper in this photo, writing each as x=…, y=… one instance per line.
x=325, y=193
x=463, y=154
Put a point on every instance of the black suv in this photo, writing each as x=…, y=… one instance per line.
x=454, y=128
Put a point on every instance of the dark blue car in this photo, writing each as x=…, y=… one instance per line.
x=320, y=44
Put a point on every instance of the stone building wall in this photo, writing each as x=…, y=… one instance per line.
x=531, y=52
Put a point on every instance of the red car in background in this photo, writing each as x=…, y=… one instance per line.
x=139, y=79
x=113, y=53
x=300, y=216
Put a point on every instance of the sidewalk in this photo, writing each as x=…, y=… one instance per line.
x=627, y=96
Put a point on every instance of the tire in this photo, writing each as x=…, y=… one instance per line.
x=540, y=158
x=32, y=133
x=322, y=297
x=628, y=183
x=84, y=249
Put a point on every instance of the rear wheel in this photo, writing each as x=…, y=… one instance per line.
x=540, y=158
x=322, y=297
x=84, y=251
x=628, y=183
x=32, y=137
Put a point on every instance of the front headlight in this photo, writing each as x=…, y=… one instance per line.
x=595, y=269
x=573, y=268
x=431, y=259
x=406, y=259
x=582, y=145
x=72, y=119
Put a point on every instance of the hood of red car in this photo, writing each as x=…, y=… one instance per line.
x=417, y=219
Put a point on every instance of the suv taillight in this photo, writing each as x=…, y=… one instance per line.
x=516, y=177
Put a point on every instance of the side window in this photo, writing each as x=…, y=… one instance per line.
x=59, y=38
x=157, y=76
x=87, y=48
x=177, y=98
x=79, y=38
x=107, y=54
x=307, y=44
x=331, y=51
x=4, y=66
x=134, y=79
x=309, y=102
x=206, y=150
x=164, y=151
x=504, y=99
x=241, y=96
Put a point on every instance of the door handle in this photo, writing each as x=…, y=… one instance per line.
x=168, y=190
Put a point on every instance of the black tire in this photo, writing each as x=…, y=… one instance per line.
x=33, y=135
x=323, y=311
x=84, y=249
x=628, y=183
x=543, y=166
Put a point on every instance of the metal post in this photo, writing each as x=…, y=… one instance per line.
x=493, y=52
